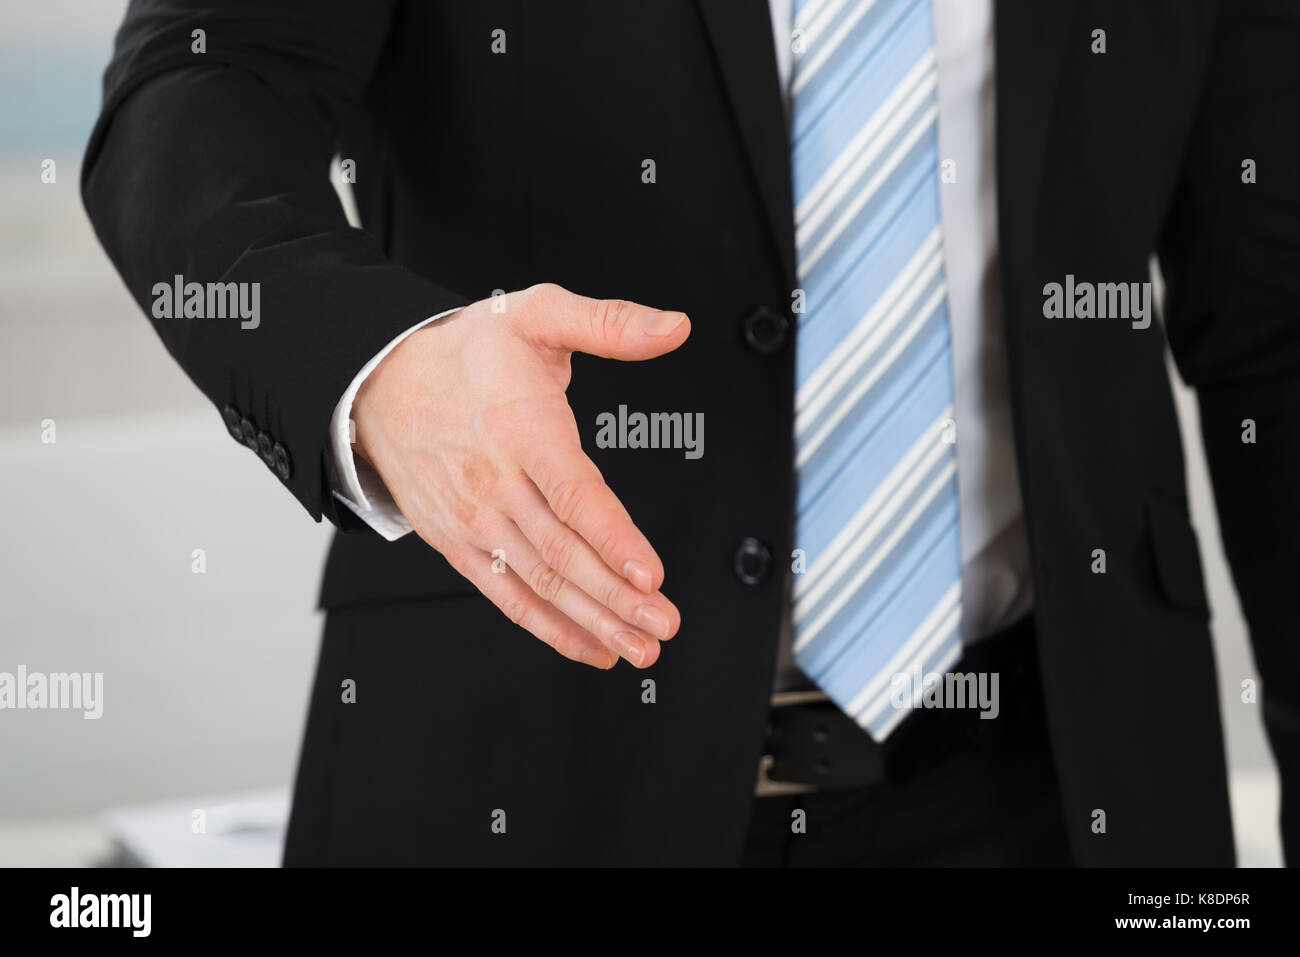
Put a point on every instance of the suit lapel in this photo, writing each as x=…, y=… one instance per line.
x=1030, y=43
x=1031, y=38
x=740, y=35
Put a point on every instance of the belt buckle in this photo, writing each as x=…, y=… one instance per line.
x=812, y=745
x=766, y=787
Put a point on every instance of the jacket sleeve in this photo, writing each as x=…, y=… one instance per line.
x=210, y=161
x=1231, y=258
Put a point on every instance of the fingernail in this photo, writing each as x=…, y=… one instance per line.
x=661, y=323
x=597, y=658
x=629, y=646
x=639, y=576
x=653, y=621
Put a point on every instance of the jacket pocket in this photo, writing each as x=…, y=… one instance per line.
x=1176, y=554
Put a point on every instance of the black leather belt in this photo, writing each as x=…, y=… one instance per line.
x=811, y=744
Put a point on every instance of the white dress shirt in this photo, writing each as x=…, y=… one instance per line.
x=996, y=585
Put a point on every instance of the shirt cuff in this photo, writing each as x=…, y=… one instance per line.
x=354, y=481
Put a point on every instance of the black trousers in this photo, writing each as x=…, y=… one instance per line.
x=993, y=804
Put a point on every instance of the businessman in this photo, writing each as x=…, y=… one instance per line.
x=745, y=423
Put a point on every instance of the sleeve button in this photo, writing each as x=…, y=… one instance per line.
x=283, y=467
x=232, y=417
x=265, y=449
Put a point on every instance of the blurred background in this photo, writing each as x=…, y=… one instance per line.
x=206, y=675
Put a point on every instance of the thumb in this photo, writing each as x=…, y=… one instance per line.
x=609, y=328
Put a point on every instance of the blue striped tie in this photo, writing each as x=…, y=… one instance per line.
x=876, y=509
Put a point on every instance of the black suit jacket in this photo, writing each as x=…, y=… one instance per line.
x=479, y=171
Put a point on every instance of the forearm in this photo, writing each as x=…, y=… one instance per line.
x=218, y=173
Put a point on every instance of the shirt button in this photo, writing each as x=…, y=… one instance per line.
x=766, y=331
x=753, y=562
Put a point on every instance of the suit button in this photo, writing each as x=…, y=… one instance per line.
x=283, y=467
x=232, y=417
x=248, y=434
x=766, y=331
x=265, y=450
x=753, y=562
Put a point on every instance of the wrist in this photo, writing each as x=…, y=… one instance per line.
x=379, y=390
